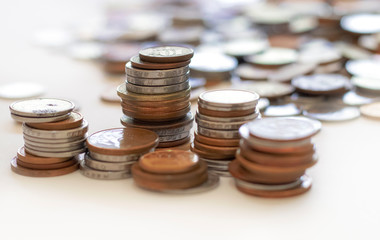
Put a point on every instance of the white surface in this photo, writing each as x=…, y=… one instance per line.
x=344, y=202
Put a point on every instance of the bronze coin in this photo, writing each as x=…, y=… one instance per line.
x=165, y=116
x=228, y=151
x=168, y=162
x=74, y=121
x=218, y=142
x=174, y=143
x=163, y=108
x=46, y=166
x=302, y=188
x=42, y=173
x=29, y=158
x=153, y=104
x=285, y=41
x=214, y=113
x=138, y=63
x=122, y=141
x=209, y=155
x=166, y=54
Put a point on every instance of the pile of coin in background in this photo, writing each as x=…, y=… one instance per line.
x=53, y=137
x=219, y=117
x=112, y=152
x=173, y=171
x=157, y=92
x=274, y=155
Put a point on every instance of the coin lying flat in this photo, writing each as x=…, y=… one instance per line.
x=41, y=107
x=166, y=54
x=39, y=119
x=367, y=84
x=52, y=166
x=20, y=90
x=229, y=98
x=73, y=121
x=103, y=175
x=371, y=110
x=267, y=89
x=28, y=158
x=142, y=73
x=321, y=84
x=362, y=23
x=274, y=57
x=284, y=110
x=368, y=68
x=138, y=63
x=331, y=112
x=152, y=90
x=158, y=81
x=56, y=134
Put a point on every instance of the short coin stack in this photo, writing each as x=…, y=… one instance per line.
x=112, y=152
x=173, y=171
x=156, y=95
x=219, y=117
x=273, y=156
x=54, y=135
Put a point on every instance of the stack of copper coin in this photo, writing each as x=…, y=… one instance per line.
x=54, y=135
x=157, y=92
x=172, y=170
x=274, y=155
x=112, y=152
x=219, y=117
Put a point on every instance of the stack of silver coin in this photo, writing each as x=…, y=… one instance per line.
x=156, y=95
x=219, y=117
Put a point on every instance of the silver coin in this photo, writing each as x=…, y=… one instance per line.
x=39, y=119
x=263, y=103
x=226, y=109
x=267, y=89
x=173, y=131
x=19, y=90
x=103, y=175
x=266, y=187
x=55, y=145
x=229, y=98
x=118, y=158
x=220, y=173
x=228, y=120
x=287, y=73
x=55, y=154
x=52, y=148
x=368, y=84
x=367, y=68
x=158, y=81
x=56, y=134
x=135, y=72
x=107, y=166
x=332, y=113
x=157, y=89
x=41, y=107
x=274, y=56
x=205, y=62
x=54, y=141
x=218, y=133
x=216, y=162
x=217, y=167
x=285, y=110
x=173, y=137
x=219, y=125
x=354, y=99
x=320, y=83
x=211, y=183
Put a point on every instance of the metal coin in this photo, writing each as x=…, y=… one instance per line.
x=117, y=158
x=367, y=68
x=28, y=158
x=331, y=112
x=210, y=62
x=274, y=57
x=218, y=133
x=267, y=89
x=220, y=173
x=73, y=121
x=41, y=107
x=107, y=166
x=245, y=47
x=54, y=154
x=157, y=89
x=354, y=99
x=368, y=84
x=361, y=23
x=219, y=125
x=39, y=119
x=138, y=63
x=266, y=187
x=251, y=72
x=103, y=175
x=158, y=81
x=287, y=73
x=225, y=109
x=285, y=110
x=167, y=54
x=141, y=73
x=217, y=168
x=20, y=90
x=321, y=84
x=55, y=145
x=54, y=141
x=371, y=110
x=229, y=98
x=171, y=138
x=216, y=162
x=56, y=134
x=228, y=120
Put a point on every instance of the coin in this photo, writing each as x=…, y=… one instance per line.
x=361, y=23
x=39, y=119
x=107, y=166
x=267, y=89
x=218, y=133
x=158, y=81
x=226, y=151
x=267, y=187
x=287, y=73
x=220, y=142
x=74, y=143
x=28, y=158
x=166, y=116
x=354, y=99
x=284, y=110
x=136, y=72
x=319, y=84
x=226, y=113
x=229, y=98
x=245, y=47
x=367, y=68
x=54, y=141
x=157, y=89
x=41, y=107
x=49, y=154
x=251, y=72
x=159, y=103
x=56, y=134
x=212, y=65
x=103, y=175
x=175, y=143
x=171, y=138
x=117, y=158
x=219, y=125
x=138, y=63
x=331, y=112
x=371, y=110
x=208, y=155
x=228, y=119
x=368, y=84
x=122, y=141
x=274, y=57
x=74, y=121
x=167, y=54
x=59, y=165
x=42, y=173
x=18, y=90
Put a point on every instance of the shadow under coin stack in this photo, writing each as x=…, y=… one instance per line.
x=274, y=155
x=173, y=171
x=112, y=152
x=219, y=117
x=156, y=95
x=53, y=137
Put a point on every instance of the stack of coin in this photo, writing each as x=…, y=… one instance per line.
x=54, y=135
x=273, y=156
x=157, y=92
x=172, y=170
x=219, y=117
x=112, y=152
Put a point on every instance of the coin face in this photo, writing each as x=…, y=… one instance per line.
x=320, y=83
x=119, y=141
x=41, y=107
x=228, y=97
x=166, y=54
x=371, y=110
x=212, y=62
x=281, y=129
x=169, y=161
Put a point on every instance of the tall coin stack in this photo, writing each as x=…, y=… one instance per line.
x=112, y=152
x=54, y=136
x=156, y=95
x=274, y=155
x=219, y=117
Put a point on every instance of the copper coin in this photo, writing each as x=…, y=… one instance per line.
x=122, y=141
x=302, y=188
x=152, y=103
x=285, y=41
x=169, y=161
x=281, y=147
x=138, y=63
x=174, y=143
x=209, y=155
x=319, y=84
x=228, y=151
x=29, y=158
x=163, y=116
x=42, y=173
x=74, y=121
x=162, y=108
x=218, y=142
x=214, y=113
x=46, y=166
x=166, y=54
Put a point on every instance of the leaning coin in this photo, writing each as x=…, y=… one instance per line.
x=157, y=89
x=218, y=133
x=331, y=112
x=107, y=166
x=136, y=72
x=39, y=119
x=371, y=110
x=103, y=175
x=73, y=121
x=211, y=183
x=157, y=81
x=167, y=54
x=41, y=107
x=56, y=134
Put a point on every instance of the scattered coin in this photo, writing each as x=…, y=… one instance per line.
x=362, y=23
x=20, y=90
x=331, y=112
x=168, y=54
x=321, y=84
x=41, y=107
x=371, y=110
x=274, y=57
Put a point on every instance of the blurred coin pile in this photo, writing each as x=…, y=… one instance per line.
x=219, y=116
x=54, y=136
x=157, y=92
